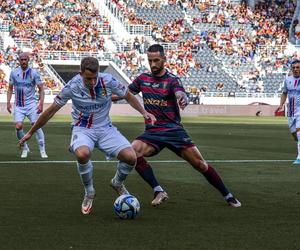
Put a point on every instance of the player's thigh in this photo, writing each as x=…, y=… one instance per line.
x=82, y=137
x=19, y=114
x=32, y=114
x=142, y=148
x=149, y=143
x=111, y=141
x=292, y=124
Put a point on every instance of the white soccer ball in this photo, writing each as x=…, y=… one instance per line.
x=127, y=206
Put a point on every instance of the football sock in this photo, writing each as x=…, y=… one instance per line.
x=158, y=189
x=298, y=144
x=86, y=175
x=214, y=179
x=123, y=169
x=20, y=135
x=40, y=137
x=145, y=171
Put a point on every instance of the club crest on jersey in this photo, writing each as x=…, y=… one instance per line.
x=121, y=87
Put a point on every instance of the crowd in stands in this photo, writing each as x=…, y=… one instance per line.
x=57, y=25
x=3, y=82
x=266, y=26
x=254, y=37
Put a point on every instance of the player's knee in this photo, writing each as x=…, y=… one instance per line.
x=201, y=166
x=137, y=148
x=82, y=154
x=19, y=126
x=128, y=156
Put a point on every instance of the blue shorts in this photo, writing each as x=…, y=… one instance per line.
x=176, y=140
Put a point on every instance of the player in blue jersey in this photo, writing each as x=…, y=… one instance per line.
x=291, y=90
x=23, y=80
x=163, y=95
x=90, y=92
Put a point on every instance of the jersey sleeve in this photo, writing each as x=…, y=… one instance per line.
x=177, y=86
x=117, y=87
x=64, y=95
x=135, y=86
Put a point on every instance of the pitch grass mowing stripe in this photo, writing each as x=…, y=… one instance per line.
x=221, y=161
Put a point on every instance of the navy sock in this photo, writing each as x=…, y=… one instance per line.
x=214, y=179
x=146, y=172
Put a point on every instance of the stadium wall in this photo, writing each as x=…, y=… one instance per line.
x=191, y=110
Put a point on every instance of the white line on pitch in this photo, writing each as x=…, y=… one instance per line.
x=162, y=161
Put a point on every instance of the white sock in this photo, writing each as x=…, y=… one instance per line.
x=40, y=137
x=298, y=144
x=123, y=169
x=86, y=175
x=228, y=196
x=158, y=189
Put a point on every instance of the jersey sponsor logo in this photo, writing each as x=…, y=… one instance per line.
x=147, y=83
x=74, y=137
x=155, y=102
x=93, y=107
x=155, y=85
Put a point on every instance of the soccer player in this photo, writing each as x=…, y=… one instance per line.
x=90, y=92
x=163, y=95
x=291, y=90
x=24, y=81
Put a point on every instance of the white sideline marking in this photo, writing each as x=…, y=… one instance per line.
x=167, y=161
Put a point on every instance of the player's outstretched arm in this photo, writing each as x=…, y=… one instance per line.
x=134, y=102
x=41, y=121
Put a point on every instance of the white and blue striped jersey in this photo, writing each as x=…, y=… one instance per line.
x=291, y=86
x=91, y=106
x=24, y=83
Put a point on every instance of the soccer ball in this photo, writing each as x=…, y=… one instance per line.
x=127, y=206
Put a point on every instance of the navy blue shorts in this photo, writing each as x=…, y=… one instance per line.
x=175, y=140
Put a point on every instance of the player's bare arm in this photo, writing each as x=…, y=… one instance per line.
x=282, y=100
x=130, y=98
x=41, y=98
x=42, y=120
x=115, y=98
x=182, y=99
x=9, y=95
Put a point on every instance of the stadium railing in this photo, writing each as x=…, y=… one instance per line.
x=73, y=55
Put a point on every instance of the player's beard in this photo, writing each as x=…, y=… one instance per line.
x=156, y=71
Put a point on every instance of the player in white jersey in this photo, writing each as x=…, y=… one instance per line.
x=291, y=90
x=90, y=92
x=23, y=80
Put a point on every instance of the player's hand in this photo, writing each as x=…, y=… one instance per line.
x=149, y=117
x=39, y=108
x=8, y=107
x=182, y=102
x=280, y=108
x=24, y=139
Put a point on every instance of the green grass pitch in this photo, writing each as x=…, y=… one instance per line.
x=41, y=199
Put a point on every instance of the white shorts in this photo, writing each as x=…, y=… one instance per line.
x=20, y=113
x=294, y=123
x=108, y=139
